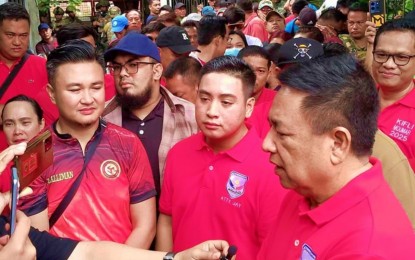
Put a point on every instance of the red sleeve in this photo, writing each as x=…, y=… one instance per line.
x=165, y=202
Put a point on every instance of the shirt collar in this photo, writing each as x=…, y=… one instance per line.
x=240, y=151
x=354, y=192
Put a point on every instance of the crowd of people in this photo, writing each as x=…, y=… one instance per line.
x=277, y=127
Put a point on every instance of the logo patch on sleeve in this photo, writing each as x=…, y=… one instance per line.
x=110, y=169
x=307, y=253
x=236, y=184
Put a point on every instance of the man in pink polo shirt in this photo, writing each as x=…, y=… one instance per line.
x=323, y=123
x=219, y=183
x=393, y=69
x=260, y=62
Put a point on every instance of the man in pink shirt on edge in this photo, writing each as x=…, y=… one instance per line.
x=260, y=62
x=393, y=69
x=323, y=124
x=219, y=182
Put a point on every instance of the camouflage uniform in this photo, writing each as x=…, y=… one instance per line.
x=107, y=34
x=348, y=42
x=69, y=19
x=56, y=25
x=102, y=18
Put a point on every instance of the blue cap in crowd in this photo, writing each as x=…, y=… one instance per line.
x=136, y=44
x=118, y=23
x=208, y=10
x=43, y=26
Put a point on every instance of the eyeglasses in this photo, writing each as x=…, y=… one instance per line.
x=235, y=26
x=398, y=59
x=130, y=67
x=134, y=19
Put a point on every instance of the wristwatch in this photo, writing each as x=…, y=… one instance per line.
x=169, y=256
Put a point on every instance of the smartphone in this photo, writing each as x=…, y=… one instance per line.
x=36, y=159
x=377, y=10
x=14, y=189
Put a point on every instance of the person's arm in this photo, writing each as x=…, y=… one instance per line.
x=370, y=34
x=208, y=250
x=40, y=220
x=143, y=218
x=164, y=238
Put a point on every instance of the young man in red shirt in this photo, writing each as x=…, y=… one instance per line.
x=219, y=183
x=115, y=200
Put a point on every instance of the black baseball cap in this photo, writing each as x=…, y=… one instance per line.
x=176, y=39
x=299, y=50
x=179, y=5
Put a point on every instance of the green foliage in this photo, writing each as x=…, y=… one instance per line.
x=45, y=5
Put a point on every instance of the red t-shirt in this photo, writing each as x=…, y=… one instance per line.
x=117, y=176
x=31, y=79
x=363, y=220
x=397, y=121
x=259, y=117
x=256, y=28
x=233, y=195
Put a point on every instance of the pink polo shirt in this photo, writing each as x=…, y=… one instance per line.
x=259, y=117
x=363, y=220
x=397, y=121
x=233, y=195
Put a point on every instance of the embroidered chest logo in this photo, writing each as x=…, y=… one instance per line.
x=110, y=169
x=402, y=130
x=302, y=50
x=307, y=253
x=236, y=184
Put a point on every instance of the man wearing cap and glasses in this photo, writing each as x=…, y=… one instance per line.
x=393, y=68
x=48, y=42
x=143, y=106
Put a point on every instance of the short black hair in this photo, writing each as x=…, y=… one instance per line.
x=234, y=67
x=359, y=7
x=13, y=11
x=234, y=14
x=36, y=107
x=333, y=14
x=152, y=27
x=240, y=34
x=334, y=48
x=188, y=67
x=273, y=49
x=298, y=5
x=311, y=32
x=400, y=25
x=73, y=51
x=340, y=93
x=256, y=51
x=245, y=5
x=209, y=28
x=74, y=31
x=190, y=23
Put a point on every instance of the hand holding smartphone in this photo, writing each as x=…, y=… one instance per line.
x=28, y=166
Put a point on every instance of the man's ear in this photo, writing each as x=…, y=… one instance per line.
x=342, y=144
x=51, y=93
x=250, y=103
x=157, y=71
